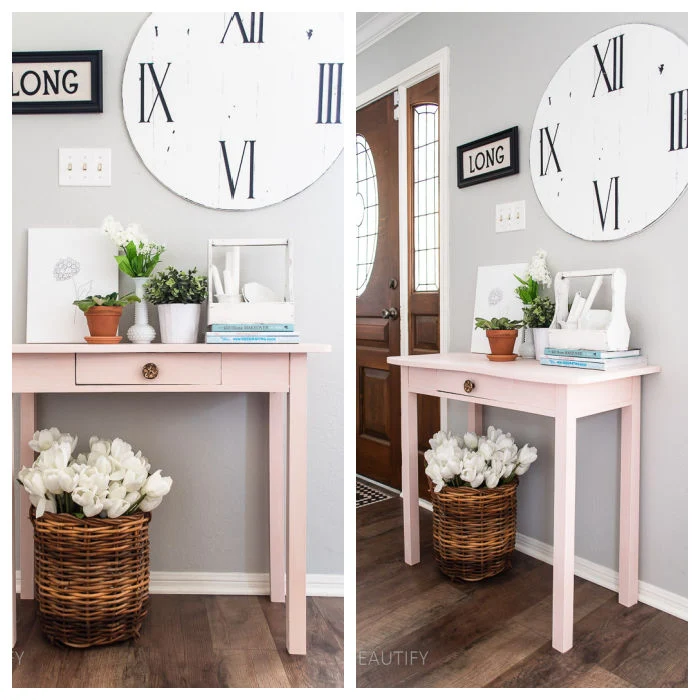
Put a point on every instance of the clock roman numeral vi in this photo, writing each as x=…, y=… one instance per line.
x=248, y=147
x=330, y=79
x=159, y=91
x=679, y=120
x=256, y=18
x=548, y=139
x=610, y=65
x=613, y=189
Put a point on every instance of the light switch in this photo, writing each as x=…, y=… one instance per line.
x=85, y=167
x=510, y=216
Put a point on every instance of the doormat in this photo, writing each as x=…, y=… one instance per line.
x=366, y=494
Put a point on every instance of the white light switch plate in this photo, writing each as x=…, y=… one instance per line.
x=510, y=216
x=85, y=167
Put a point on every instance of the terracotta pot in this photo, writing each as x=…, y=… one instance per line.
x=103, y=321
x=502, y=342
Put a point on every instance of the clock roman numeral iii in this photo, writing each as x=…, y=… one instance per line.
x=256, y=19
x=547, y=141
x=330, y=80
x=159, y=91
x=609, y=66
x=249, y=148
x=679, y=120
x=613, y=189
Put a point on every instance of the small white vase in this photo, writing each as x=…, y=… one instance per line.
x=141, y=332
x=527, y=348
x=179, y=323
x=541, y=336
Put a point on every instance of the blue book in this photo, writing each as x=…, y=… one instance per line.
x=256, y=327
x=593, y=364
x=248, y=339
x=594, y=354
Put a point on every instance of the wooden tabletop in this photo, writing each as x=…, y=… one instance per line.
x=520, y=369
x=247, y=348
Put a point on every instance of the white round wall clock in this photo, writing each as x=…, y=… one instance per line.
x=236, y=110
x=609, y=144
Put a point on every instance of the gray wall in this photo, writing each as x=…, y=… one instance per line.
x=500, y=64
x=214, y=447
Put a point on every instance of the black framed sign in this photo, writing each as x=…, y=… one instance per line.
x=488, y=158
x=56, y=82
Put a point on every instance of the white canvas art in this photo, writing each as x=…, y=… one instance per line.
x=64, y=264
x=495, y=296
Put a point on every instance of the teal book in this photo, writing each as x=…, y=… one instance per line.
x=593, y=354
x=252, y=327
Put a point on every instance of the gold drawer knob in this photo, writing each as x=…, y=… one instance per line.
x=150, y=370
x=469, y=386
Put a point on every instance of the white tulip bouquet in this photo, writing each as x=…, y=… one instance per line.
x=488, y=460
x=109, y=481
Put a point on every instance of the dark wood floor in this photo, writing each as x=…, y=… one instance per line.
x=496, y=633
x=192, y=641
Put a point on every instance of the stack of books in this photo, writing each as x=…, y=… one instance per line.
x=592, y=359
x=255, y=333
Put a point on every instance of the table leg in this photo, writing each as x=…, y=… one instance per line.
x=27, y=426
x=475, y=423
x=296, y=507
x=277, y=444
x=629, y=496
x=564, y=521
x=409, y=471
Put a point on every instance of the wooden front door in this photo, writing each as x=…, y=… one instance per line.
x=423, y=187
x=377, y=322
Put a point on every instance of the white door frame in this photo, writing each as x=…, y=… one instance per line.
x=438, y=62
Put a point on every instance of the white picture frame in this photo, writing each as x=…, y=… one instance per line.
x=64, y=264
x=495, y=296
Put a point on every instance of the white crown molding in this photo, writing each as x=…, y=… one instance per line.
x=381, y=25
x=231, y=583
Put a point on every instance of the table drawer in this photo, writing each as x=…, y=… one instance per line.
x=128, y=368
x=533, y=396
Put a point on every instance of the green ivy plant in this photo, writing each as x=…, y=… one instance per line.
x=497, y=324
x=539, y=313
x=173, y=286
x=112, y=299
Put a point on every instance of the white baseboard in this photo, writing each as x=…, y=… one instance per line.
x=659, y=598
x=234, y=583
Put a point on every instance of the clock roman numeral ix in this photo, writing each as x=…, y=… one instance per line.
x=330, y=78
x=159, y=92
x=256, y=18
x=249, y=147
x=612, y=79
x=545, y=136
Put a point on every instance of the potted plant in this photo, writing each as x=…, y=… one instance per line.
x=537, y=320
x=502, y=334
x=178, y=294
x=102, y=314
x=137, y=258
x=90, y=515
x=473, y=482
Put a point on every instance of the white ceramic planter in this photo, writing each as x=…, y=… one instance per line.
x=541, y=338
x=179, y=323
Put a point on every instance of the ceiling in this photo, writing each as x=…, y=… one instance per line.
x=372, y=26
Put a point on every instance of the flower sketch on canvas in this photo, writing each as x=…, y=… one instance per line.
x=66, y=269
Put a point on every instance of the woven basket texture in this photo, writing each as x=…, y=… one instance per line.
x=91, y=577
x=474, y=530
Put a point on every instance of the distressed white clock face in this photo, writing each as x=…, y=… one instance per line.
x=236, y=110
x=609, y=144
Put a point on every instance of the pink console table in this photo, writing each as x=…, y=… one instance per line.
x=279, y=370
x=563, y=394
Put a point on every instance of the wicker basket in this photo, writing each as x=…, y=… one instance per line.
x=91, y=577
x=474, y=530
